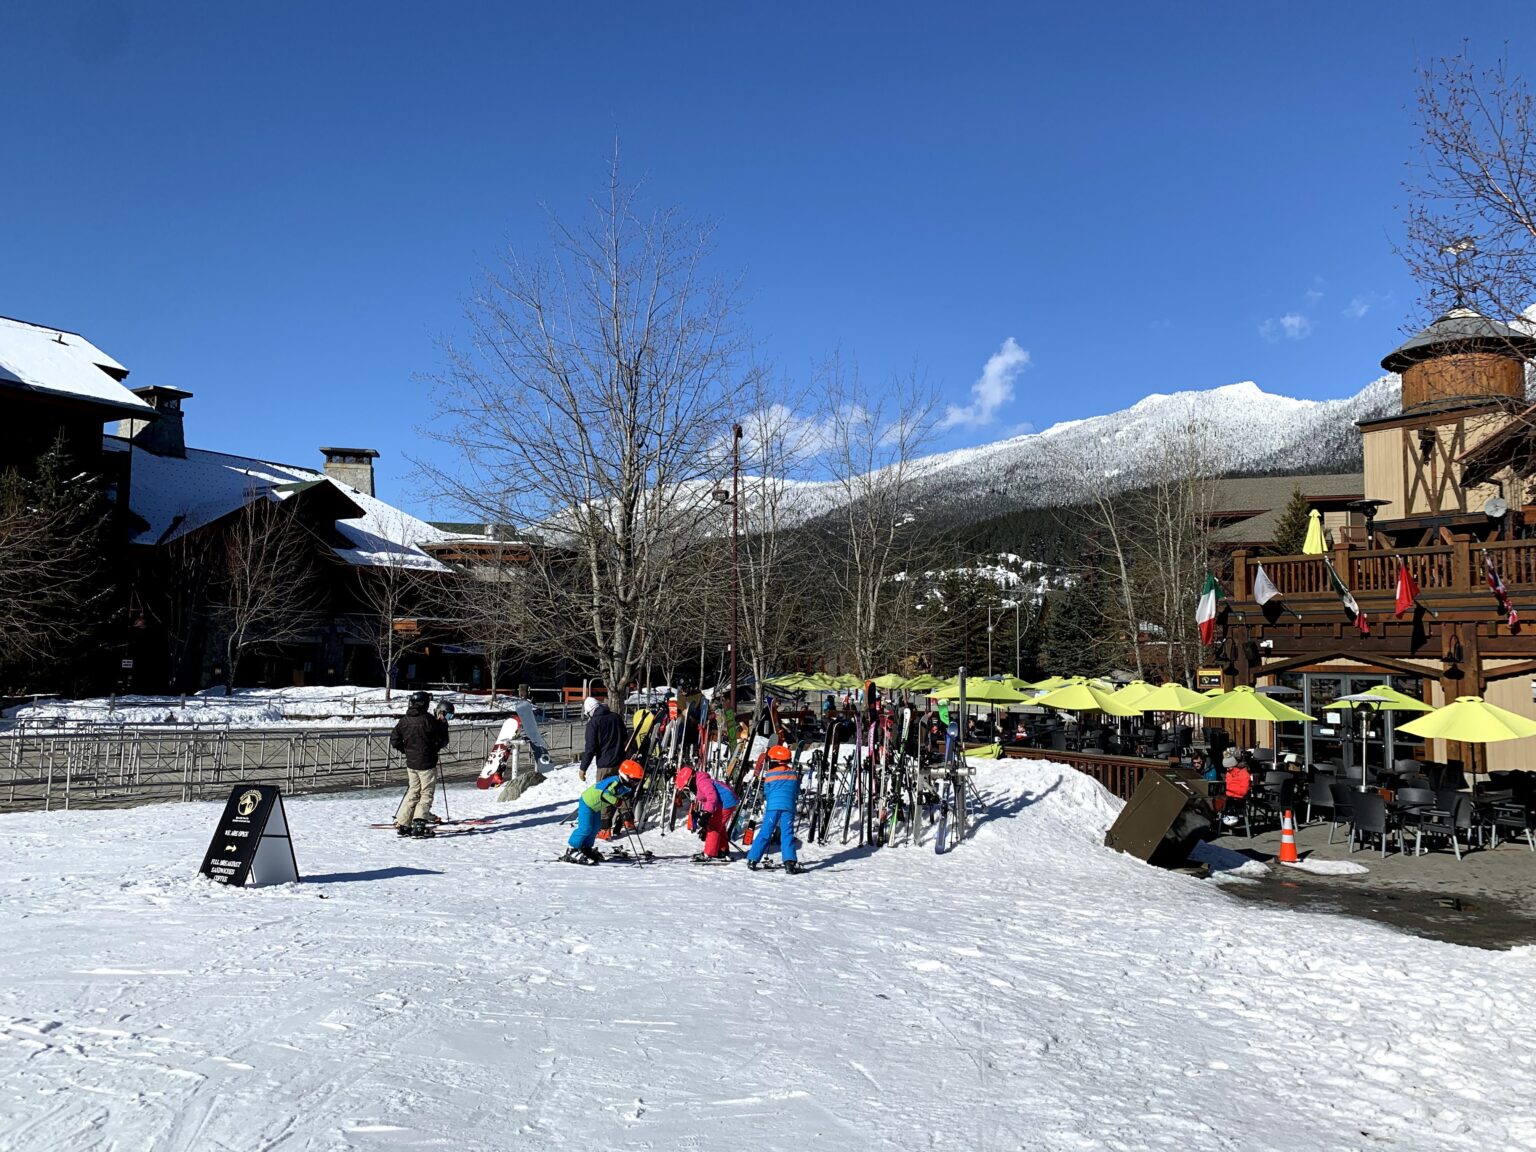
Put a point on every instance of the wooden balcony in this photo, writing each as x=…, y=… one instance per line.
x=1446, y=573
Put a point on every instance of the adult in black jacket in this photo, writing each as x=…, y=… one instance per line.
x=418, y=736
x=605, y=748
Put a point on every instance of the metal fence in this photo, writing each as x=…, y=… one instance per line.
x=106, y=766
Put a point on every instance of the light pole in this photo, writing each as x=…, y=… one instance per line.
x=989, y=639
x=733, y=498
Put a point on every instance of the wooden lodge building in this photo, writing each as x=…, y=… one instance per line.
x=1448, y=488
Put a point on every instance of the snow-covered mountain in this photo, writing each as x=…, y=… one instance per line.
x=1246, y=428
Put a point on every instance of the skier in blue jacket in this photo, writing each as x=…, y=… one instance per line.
x=781, y=790
x=597, y=801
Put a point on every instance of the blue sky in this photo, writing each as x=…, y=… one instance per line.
x=281, y=207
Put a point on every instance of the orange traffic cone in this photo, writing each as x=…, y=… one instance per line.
x=1288, y=840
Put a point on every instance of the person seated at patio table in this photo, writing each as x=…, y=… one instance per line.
x=1198, y=762
x=1236, y=782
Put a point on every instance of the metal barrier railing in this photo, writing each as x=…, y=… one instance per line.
x=106, y=766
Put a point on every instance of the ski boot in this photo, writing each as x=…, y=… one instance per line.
x=402, y=829
x=793, y=867
x=592, y=855
x=421, y=830
x=572, y=856
x=751, y=865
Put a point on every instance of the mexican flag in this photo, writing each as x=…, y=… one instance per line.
x=1347, y=598
x=1205, y=611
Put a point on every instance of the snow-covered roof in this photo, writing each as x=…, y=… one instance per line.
x=175, y=495
x=51, y=361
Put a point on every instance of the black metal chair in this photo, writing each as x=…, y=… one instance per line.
x=1319, y=795
x=1343, y=806
x=1517, y=818
x=1451, y=815
x=1370, y=819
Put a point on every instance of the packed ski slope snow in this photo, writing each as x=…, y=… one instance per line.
x=1029, y=990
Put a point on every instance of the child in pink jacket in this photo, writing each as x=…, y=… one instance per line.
x=716, y=805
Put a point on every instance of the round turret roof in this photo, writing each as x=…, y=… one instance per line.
x=1462, y=329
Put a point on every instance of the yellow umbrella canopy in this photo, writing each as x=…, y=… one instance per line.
x=1243, y=703
x=1051, y=683
x=1472, y=720
x=1172, y=697
x=923, y=683
x=1134, y=692
x=1079, y=695
x=1395, y=701
x=890, y=680
x=1018, y=685
x=1315, y=544
x=982, y=692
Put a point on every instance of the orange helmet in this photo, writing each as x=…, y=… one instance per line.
x=631, y=770
x=780, y=753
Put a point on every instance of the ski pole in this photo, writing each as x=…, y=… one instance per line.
x=443, y=785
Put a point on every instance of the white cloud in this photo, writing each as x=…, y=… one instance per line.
x=1291, y=326
x=993, y=388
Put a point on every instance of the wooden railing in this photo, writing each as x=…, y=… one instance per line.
x=1455, y=568
x=1120, y=775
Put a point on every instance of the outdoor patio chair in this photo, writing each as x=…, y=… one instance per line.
x=1319, y=795
x=1448, y=819
x=1519, y=819
x=1444, y=799
x=1370, y=819
x=1343, y=806
x=1408, y=767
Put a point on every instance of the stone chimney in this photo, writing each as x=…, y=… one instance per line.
x=352, y=466
x=162, y=435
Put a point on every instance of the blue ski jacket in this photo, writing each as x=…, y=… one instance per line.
x=781, y=787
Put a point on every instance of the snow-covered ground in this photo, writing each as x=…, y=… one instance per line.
x=1029, y=990
x=246, y=708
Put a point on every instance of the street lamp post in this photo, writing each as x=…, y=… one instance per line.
x=733, y=498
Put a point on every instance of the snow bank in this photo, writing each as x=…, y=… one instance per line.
x=1031, y=989
x=245, y=708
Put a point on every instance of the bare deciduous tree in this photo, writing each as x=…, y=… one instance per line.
x=587, y=410
x=872, y=446
x=491, y=600
x=266, y=588
x=51, y=573
x=1471, y=226
x=394, y=583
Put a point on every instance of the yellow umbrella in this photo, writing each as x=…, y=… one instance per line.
x=1134, y=692
x=982, y=692
x=890, y=680
x=985, y=752
x=1212, y=692
x=1079, y=695
x=1051, y=683
x=1314, y=544
x=1243, y=703
x=923, y=683
x=1395, y=701
x=1018, y=685
x=1172, y=697
x=1472, y=720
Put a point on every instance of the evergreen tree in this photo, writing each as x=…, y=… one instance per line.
x=1075, y=639
x=1291, y=531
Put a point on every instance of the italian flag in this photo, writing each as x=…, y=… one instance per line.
x=1205, y=611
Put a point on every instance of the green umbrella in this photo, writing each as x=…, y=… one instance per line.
x=1080, y=695
x=1243, y=703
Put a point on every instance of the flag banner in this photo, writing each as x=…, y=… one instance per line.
x=1347, y=598
x=1267, y=595
x=1500, y=593
x=1407, y=589
x=1205, y=611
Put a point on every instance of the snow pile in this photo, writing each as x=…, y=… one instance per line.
x=1030, y=989
x=338, y=705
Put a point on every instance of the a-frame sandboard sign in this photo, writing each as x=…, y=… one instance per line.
x=251, y=846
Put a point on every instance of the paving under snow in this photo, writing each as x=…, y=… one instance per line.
x=1029, y=990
